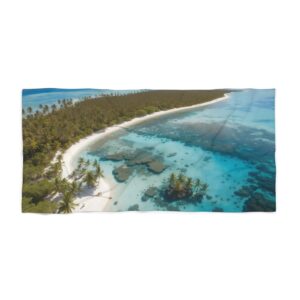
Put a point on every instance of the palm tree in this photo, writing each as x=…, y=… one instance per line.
x=172, y=180
x=99, y=173
x=80, y=170
x=95, y=163
x=57, y=168
x=87, y=163
x=98, y=170
x=67, y=204
x=189, y=185
x=64, y=103
x=64, y=185
x=178, y=187
x=75, y=187
x=57, y=185
x=29, y=109
x=45, y=109
x=59, y=158
x=197, y=185
x=204, y=187
x=90, y=179
x=80, y=163
x=181, y=178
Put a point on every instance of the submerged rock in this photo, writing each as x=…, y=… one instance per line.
x=115, y=156
x=252, y=173
x=134, y=207
x=267, y=183
x=151, y=192
x=124, y=155
x=244, y=192
x=218, y=209
x=131, y=154
x=172, y=208
x=263, y=168
x=122, y=173
x=251, y=180
x=140, y=159
x=156, y=166
x=172, y=154
x=258, y=202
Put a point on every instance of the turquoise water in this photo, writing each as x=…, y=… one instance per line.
x=229, y=145
x=35, y=97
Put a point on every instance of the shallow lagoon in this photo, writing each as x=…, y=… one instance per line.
x=229, y=145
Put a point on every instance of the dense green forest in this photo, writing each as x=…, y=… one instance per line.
x=49, y=129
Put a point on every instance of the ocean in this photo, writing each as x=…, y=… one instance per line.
x=229, y=145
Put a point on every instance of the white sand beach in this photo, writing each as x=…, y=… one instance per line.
x=97, y=199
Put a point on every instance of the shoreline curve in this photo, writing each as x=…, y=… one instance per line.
x=97, y=199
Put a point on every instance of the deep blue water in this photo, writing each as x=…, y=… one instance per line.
x=229, y=145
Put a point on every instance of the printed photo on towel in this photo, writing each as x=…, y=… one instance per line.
x=93, y=150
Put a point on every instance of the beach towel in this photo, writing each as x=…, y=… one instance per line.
x=94, y=150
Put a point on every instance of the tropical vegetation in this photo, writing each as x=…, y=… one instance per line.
x=57, y=194
x=181, y=187
x=54, y=128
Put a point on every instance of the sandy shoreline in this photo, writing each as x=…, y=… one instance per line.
x=97, y=199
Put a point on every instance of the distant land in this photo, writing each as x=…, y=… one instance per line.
x=26, y=92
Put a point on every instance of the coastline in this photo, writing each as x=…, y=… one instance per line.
x=98, y=198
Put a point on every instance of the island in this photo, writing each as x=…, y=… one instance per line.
x=53, y=135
